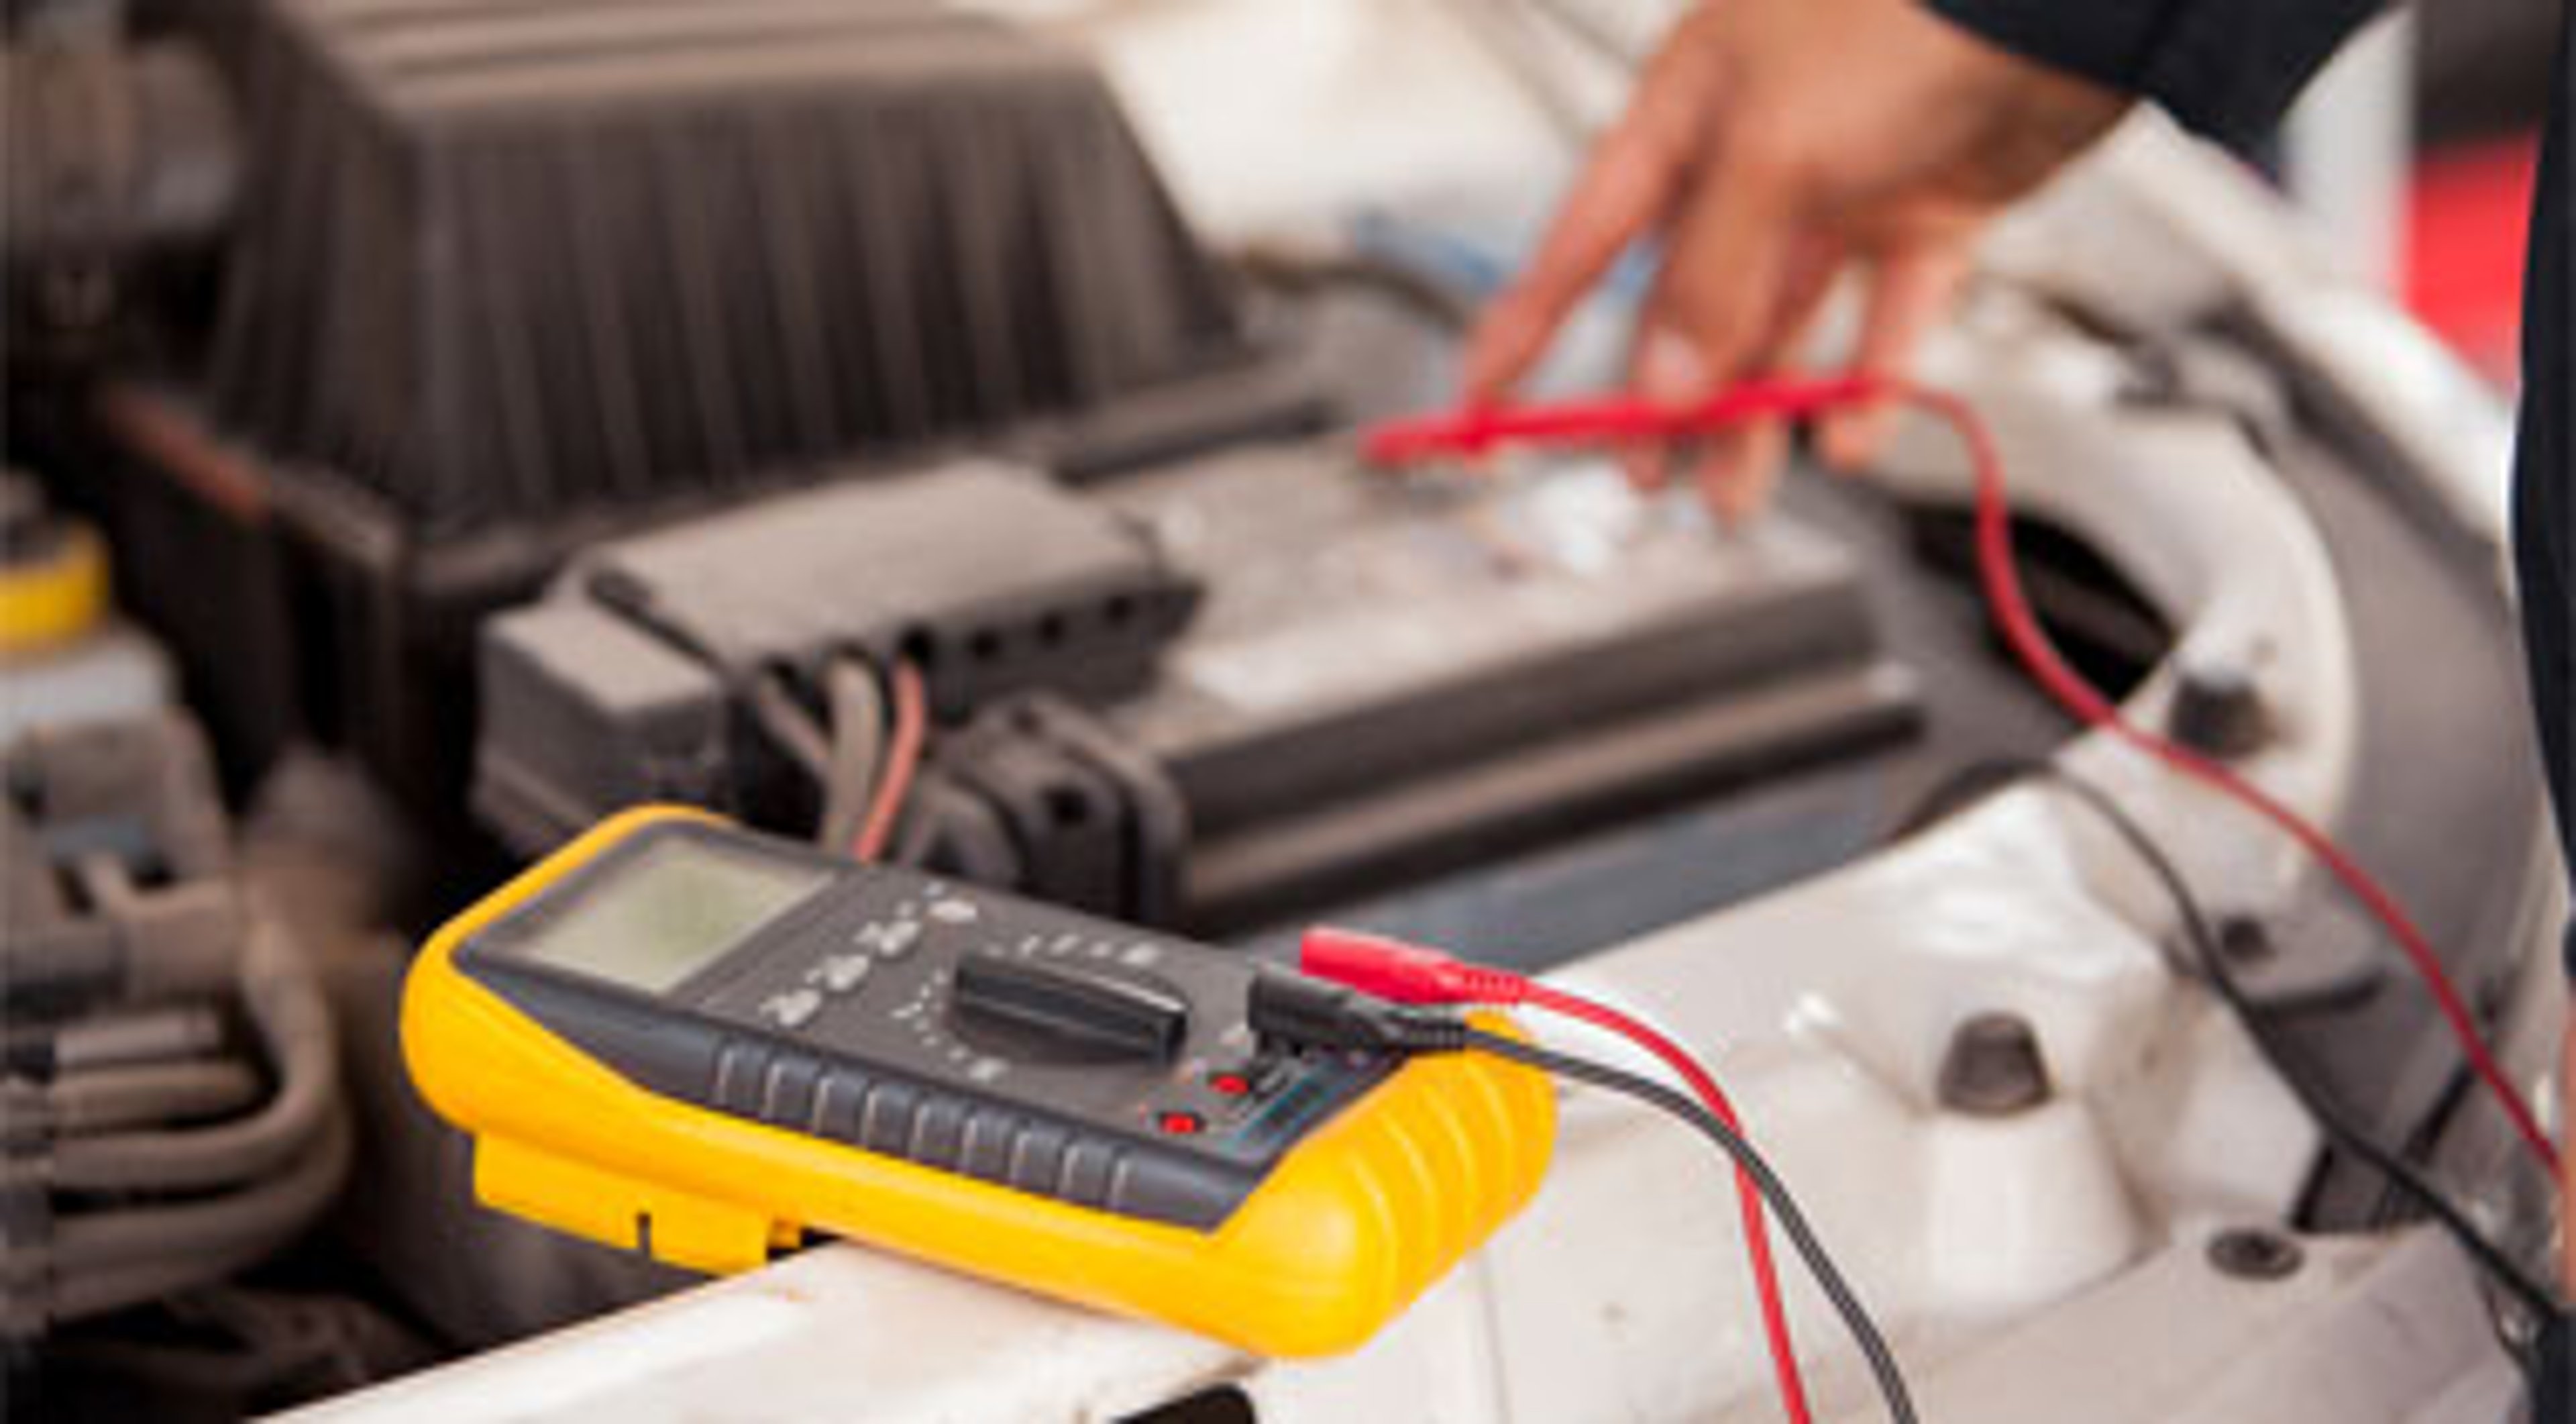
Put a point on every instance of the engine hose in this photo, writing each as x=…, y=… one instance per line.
x=111, y=1260
x=115, y=1099
x=286, y=1005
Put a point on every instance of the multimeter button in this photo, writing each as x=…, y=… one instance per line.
x=954, y=912
x=1180, y=1124
x=839, y=1104
x=840, y=973
x=938, y=1134
x=1037, y=1159
x=787, y=1095
x=885, y=1124
x=987, y=1153
x=739, y=1070
x=1088, y=1170
x=792, y=1009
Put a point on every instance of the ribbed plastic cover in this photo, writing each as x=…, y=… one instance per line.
x=506, y=259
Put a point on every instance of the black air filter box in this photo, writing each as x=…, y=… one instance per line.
x=503, y=261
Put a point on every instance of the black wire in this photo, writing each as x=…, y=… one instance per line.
x=1775, y=1193
x=2211, y=959
x=1955, y=791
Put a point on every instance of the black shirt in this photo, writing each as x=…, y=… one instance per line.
x=2227, y=68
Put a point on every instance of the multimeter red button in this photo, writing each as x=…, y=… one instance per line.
x=1232, y=1085
x=1180, y=1124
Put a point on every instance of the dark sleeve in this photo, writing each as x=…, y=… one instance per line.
x=2544, y=505
x=2227, y=68
x=2554, y=1379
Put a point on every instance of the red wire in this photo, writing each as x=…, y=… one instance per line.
x=2049, y=668
x=902, y=763
x=1757, y=1235
x=1619, y=421
x=1414, y=974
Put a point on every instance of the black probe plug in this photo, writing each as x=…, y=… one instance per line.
x=1295, y=1011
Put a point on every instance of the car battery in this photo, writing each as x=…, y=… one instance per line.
x=1386, y=679
x=1395, y=678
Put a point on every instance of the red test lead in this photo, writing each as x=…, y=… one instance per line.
x=1480, y=430
x=1413, y=974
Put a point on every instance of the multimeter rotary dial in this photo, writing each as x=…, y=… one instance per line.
x=1048, y=1000
x=1037, y=1010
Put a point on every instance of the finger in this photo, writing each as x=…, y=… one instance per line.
x=1909, y=294
x=1740, y=469
x=1737, y=483
x=1812, y=266
x=1628, y=186
x=1666, y=370
x=1728, y=260
x=1736, y=289
x=1627, y=190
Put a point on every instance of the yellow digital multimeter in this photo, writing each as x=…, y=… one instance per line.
x=677, y=1037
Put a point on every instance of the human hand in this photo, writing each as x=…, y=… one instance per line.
x=1774, y=145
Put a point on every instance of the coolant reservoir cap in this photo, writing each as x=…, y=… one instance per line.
x=53, y=572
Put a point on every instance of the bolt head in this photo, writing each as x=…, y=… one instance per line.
x=2255, y=1253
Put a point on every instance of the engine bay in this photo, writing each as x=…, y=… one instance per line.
x=439, y=426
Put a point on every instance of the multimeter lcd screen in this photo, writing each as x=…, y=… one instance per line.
x=669, y=912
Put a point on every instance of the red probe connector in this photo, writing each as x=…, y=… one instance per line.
x=1405, y=973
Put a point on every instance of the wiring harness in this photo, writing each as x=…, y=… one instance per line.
x=864, y=769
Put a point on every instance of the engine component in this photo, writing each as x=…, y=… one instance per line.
x=1395, y=680
x=640, y=679
x=1041, y=794
x=53, y=572
x=65, y=656
x=684, y=1040
x=503, y=264
x=146, y=1151
x=119, y=888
